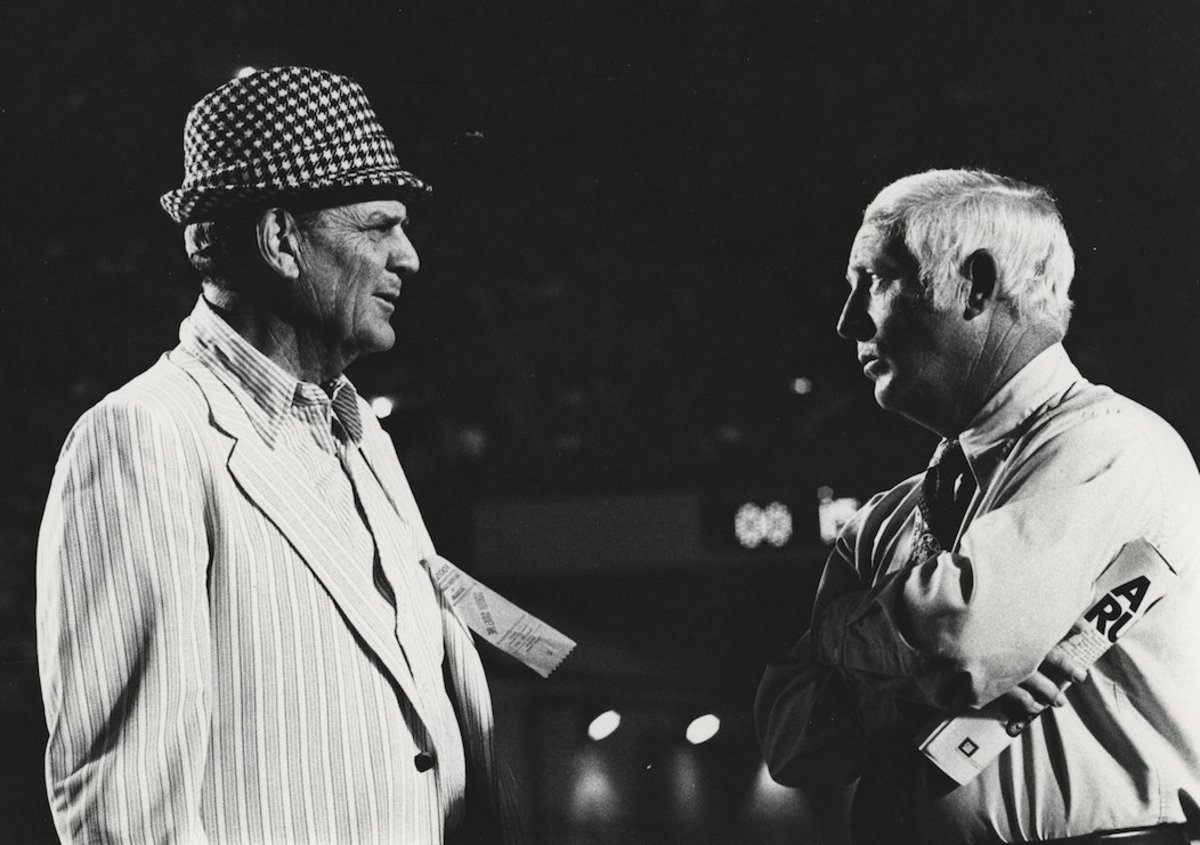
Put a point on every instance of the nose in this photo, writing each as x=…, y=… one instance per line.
x=855, y=323
x=403, y=259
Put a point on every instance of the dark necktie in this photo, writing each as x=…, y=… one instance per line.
x=946, y=492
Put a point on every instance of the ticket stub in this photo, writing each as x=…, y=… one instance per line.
x=499, y=621
x=965, y=743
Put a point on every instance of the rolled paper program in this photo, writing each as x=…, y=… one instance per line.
x=964, y=744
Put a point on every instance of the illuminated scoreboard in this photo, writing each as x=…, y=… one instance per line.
x=776, y=519
x=772, y=524
x=674, y=529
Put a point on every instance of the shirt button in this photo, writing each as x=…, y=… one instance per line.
x=423, y=761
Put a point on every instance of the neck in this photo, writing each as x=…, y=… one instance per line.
x=1005, y=348
x=1009, y=346
x=274, y=337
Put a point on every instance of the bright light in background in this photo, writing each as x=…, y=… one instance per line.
x=604, y=724
x=802, y=386
x=688, y=788
x=833, y=514
x=594, y=800
x=244, y=72
x=382, y=406
x=754, y=526
x=703, y=728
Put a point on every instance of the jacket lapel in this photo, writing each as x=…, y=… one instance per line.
x=266, y=478
x=376, y=448
x=465, y=670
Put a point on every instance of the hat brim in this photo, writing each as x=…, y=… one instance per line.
x=197, y=204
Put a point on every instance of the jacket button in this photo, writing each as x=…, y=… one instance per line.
x=423, y=761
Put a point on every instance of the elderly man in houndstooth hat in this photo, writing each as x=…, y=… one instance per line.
x=240, y=636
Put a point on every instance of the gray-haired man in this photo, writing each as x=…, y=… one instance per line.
x=954, y=589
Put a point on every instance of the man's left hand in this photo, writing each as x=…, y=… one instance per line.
x=1046, y=686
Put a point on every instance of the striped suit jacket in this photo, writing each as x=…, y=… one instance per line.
x=211, y=669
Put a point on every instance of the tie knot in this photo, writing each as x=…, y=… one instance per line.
x=948, y=465
x=948, y=453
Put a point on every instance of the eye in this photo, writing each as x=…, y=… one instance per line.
x=386, y=225
x=878, y=282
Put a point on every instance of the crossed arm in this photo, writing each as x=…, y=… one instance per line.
x=887, y=650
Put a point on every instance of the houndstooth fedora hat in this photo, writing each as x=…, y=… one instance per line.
x=282, y=132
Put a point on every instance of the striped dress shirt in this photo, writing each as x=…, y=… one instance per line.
x=238, y=641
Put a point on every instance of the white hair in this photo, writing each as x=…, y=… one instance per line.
x=225, y=250
x=944, y=216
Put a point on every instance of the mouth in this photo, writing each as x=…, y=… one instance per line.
x=869, y=363
x=388, y=298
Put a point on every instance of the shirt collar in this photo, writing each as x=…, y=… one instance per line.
x=993, y=432
x=265, y=390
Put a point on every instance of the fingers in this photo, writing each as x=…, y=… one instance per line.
x=1046, y=687
x=1032, y=696
x=1043, y=691
x=1019, y=704
x=1064, y=668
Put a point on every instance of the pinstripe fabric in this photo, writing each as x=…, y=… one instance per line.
x=218, y=661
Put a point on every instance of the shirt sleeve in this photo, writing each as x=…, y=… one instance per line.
x=814, y=721
x=958, y=628
x=1026, y=570
x=123, y=644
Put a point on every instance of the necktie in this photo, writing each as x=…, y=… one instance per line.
x=345, y=413
x=946, y=492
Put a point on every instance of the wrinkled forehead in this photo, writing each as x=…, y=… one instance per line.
x=376, y=208
x=877, y=247
x=367, y=213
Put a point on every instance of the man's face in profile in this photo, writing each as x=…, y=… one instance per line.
x=916, y=354
x=353, y=259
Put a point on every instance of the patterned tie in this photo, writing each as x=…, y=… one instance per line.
x=345, y=412
x=946, y=492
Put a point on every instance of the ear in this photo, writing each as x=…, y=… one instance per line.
x=980, y=270
x=278, y=241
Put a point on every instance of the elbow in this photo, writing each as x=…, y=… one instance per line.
x=788, y=764
x=784, y=771
x=795, y=765
x=800, y=749
x=782, y=748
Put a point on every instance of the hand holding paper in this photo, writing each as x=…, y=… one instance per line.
x=965, y=743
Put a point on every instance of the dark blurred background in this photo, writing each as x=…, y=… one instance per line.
x=622, y=333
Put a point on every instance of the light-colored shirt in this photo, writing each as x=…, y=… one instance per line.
x=205, y=678
x=1067, y=473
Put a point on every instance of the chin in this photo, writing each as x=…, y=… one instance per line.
x=892, y=400
x=884, y=394
x=379, y=340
